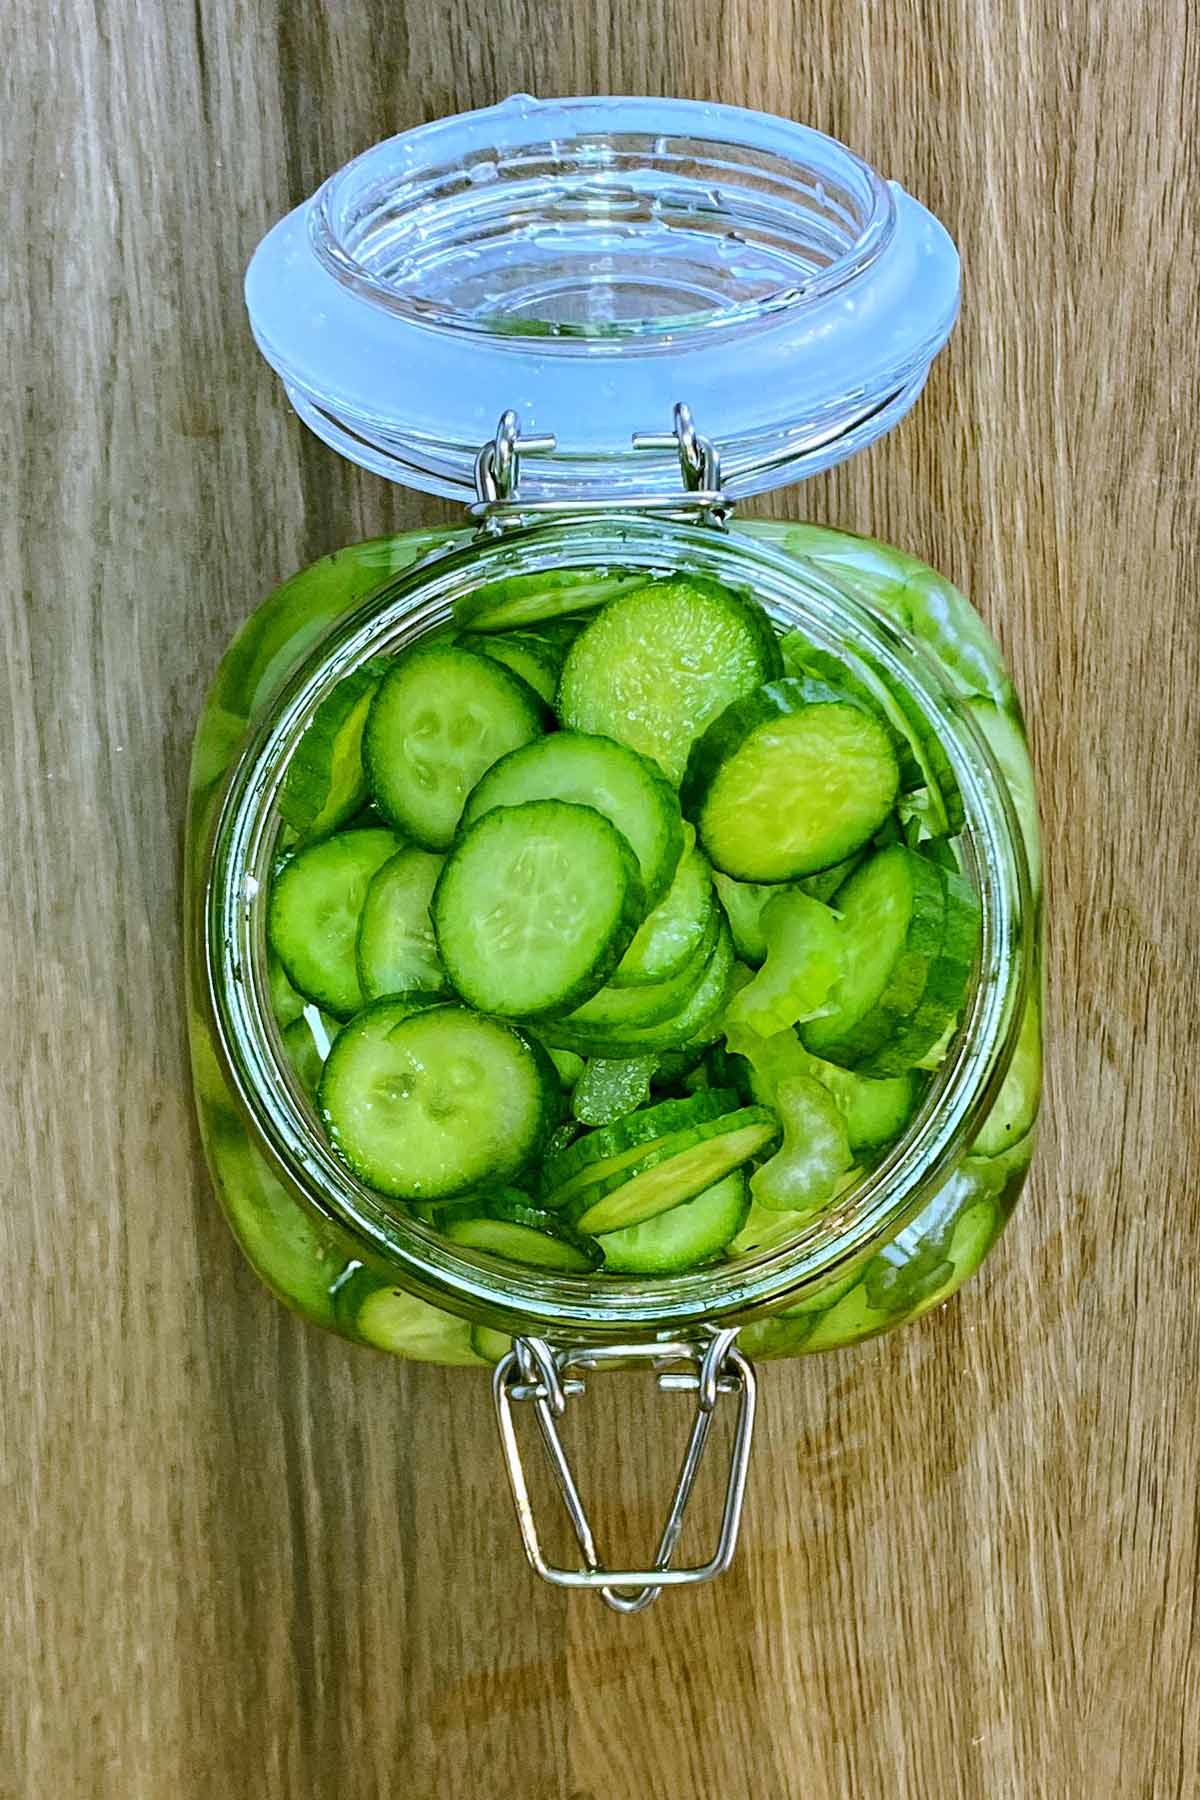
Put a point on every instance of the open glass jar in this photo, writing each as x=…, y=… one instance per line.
x=588, y=263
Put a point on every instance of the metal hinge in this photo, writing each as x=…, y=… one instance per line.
x=535, y=1373
x=498, y=465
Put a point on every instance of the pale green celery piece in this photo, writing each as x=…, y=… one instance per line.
x=803, y=962
x=772, y=1059
x=804, y=1173
x=767, y=1228
x=568, y=1066
x=744, y=903
x=611, y=1087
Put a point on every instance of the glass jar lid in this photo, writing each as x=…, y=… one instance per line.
x=589, y=263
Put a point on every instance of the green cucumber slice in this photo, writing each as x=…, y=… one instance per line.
x=391, y=1319
x=670, y=935
x=893, y=918
x=945, y=986
x=313, y=912
x=568, y=1066
x=788, y=780
x=535, y=663
x=440, y=719
x=803, y=964
x=286, y=1004
x=535, y=907
x=396, y=947
x=656, y=666
x=807, y=1169
x=684, y=1237
x=608, y=1089
x=876, y=1110
x=698, y=1024
x=602, y=1153
x=676, y=1170
x=515, y=601
x=490, y=1345
x=307, y=1041
x=424, y=1105
x=325, y=784
x=1006, y=738
x=1015, y=1109
x=508, y=1224
x=802, y=658
x=593, y=771
x=617, y=1009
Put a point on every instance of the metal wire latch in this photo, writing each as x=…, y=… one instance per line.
x=498, y=499
x=534, y=1372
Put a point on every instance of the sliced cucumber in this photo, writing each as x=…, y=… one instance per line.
x=803, y=964
x=519, y=600
x=825, y=885
x=535, y=663
x=286, y=1004
x=568, y=1066
x=490, y=1345
x=1016, y=1106
x=659, y=664
x=325, y=783
x=313, y=913
x=618, y=1009
x=440, y=719
x=802, y=658
x=608, y=1089
x=671, y=1172
x=807, y=1169
x=424, y=1105
x=684, y=1237
x=697, y=1025
x=1006, y=737
x=307, y=1041
x=391, y=1319
x=396, y=946
x=670, y=935
x=876, y=1111
x=945, y=986
x=789, y=780
x=535, y=907
x=602, y=1153
x=893, y=918
x=508, y=1224
x=594, y=771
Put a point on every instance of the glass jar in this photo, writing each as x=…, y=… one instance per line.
x=535, y=255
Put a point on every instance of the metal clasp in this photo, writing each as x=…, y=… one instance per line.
x=498, y=499
x=534, y=1372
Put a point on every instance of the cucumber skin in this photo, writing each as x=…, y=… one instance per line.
x=341, y=1005
x=621, y=1254
x=630, y=917
x=729, y=1124
x=305, y=794
x=649, y=1005
x=696, y=1026
x=640, y=1127
x=945, y=984
x=631, y=971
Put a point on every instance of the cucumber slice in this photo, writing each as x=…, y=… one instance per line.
x=535, y=663
x=876, y=1111
x=893, y=919
x=1015, y=1110
x=440, y=719
x=509, y=1225
x=1006, y=738
x=602, y=1153
x=678, y=1169
x=307, y=1041
x=806, y=1171
x=325, y=783
x=802, y=658
x=393, y=1320
x=670, y=935
x=396, y=946
x=658, y=665
x=489, y=1345
x=568, y=1067
x=826, y=884
x=803, y=963
x=608, y=1089
x=535, y=907
x=593, y=771
x=945, y=986
x=286, y=1004
x=519, y=600
x=698, y=1024
x=424, y=1105
x=619, y=1009
x=684, y=1237
x=788, y=780
x=313, y=913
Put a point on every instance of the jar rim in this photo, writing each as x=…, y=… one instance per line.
x=233, y=952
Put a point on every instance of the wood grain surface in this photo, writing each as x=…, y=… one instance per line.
x=238, y=1558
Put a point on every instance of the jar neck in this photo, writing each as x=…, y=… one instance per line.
x=584, y=1307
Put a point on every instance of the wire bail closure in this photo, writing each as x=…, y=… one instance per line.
x=535, y=1372
x=498, y=467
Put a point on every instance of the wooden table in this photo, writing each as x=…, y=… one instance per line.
x=241, y=1558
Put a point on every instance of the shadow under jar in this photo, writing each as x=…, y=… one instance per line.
x=637, y=253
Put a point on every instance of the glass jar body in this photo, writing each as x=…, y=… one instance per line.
x=322, y=1268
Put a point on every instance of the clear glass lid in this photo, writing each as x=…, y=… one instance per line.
x=589, y=263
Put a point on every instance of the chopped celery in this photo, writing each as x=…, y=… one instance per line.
x=805, y=1172
x=803, y=961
